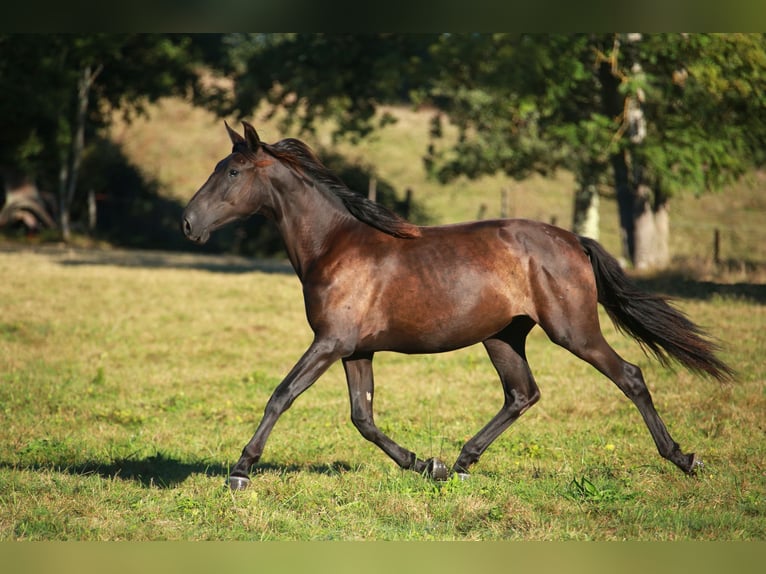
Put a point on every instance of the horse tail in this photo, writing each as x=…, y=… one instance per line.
x=651, y=320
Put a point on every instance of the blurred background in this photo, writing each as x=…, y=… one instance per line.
x=651, y=143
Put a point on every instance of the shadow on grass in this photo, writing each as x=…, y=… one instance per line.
x=169, y=259
x=679, y=285
x=161, y=471
x=150, y=259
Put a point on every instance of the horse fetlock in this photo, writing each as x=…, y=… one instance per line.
x=415, y=464
x=467, y=458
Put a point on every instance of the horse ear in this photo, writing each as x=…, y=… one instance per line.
x=234, y=136
x=253, y=141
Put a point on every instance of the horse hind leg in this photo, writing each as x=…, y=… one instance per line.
x=588, y=343
x=633, y=385
x=507, y=353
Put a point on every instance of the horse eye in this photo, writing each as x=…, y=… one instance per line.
x=233, y=172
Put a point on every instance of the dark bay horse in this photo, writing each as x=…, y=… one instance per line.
x=375, y=282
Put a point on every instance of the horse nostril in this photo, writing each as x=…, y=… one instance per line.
x=187, y=227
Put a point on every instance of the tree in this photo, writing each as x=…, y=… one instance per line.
x=59, y=89
x=312, y=77
x=668, y=113
x=692, y=119
x=522, y=106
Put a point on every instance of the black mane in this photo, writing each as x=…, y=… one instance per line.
x=302, y=159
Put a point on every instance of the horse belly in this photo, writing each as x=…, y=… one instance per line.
x=429, y=317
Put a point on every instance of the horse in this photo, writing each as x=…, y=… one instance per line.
x=374, y=282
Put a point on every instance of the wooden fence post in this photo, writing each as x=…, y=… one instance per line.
x=717, y=246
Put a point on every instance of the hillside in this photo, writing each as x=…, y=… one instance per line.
x=178, y=145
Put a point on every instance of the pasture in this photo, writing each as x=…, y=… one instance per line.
x=129, y=382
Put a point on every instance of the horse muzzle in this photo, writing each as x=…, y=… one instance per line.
x=195, y=233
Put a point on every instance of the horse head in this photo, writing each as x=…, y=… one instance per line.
x=233, y=191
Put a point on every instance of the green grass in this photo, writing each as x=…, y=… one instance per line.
x=130, y=383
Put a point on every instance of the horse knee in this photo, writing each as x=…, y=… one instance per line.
x=364, y=425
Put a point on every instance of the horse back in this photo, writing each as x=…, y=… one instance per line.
x=452, y=286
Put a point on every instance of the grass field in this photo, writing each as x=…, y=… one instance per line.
x=130, y=381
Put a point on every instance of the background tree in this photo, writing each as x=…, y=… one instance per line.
x=312, y=77
x=58, y=89
x=650, y=115
x=693, y=110
x=522, y=106
x=669, y=112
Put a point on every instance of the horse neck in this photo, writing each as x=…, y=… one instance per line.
x=308, y=217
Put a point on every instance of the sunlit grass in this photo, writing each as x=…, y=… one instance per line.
x=129, y=382
x=127, y=391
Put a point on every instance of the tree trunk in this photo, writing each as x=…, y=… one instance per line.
x=644, y=219
x=92, y=211
x=651, y=230
x=70, y=164
x=586, y=216
x=643, y=208
x=625, y=204
x=662, y=233
x=64, y=211
x=644, y=229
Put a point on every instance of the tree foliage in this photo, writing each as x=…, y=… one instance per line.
x=707, y=95
x=314, y=77
x=58, y=89
x=535, y=102
x=520, y=106
x=664, y=112
x=652, y=114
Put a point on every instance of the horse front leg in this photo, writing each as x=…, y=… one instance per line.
x=361, y=390
x=520, y=391
x=315, y=361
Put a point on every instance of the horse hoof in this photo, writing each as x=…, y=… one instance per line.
x=463, y=475
x=238, y=482
x=437, y=469
x=696, y=466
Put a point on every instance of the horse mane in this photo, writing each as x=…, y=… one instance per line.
x=298, y=156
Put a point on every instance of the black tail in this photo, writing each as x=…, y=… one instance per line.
x=655, y=324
